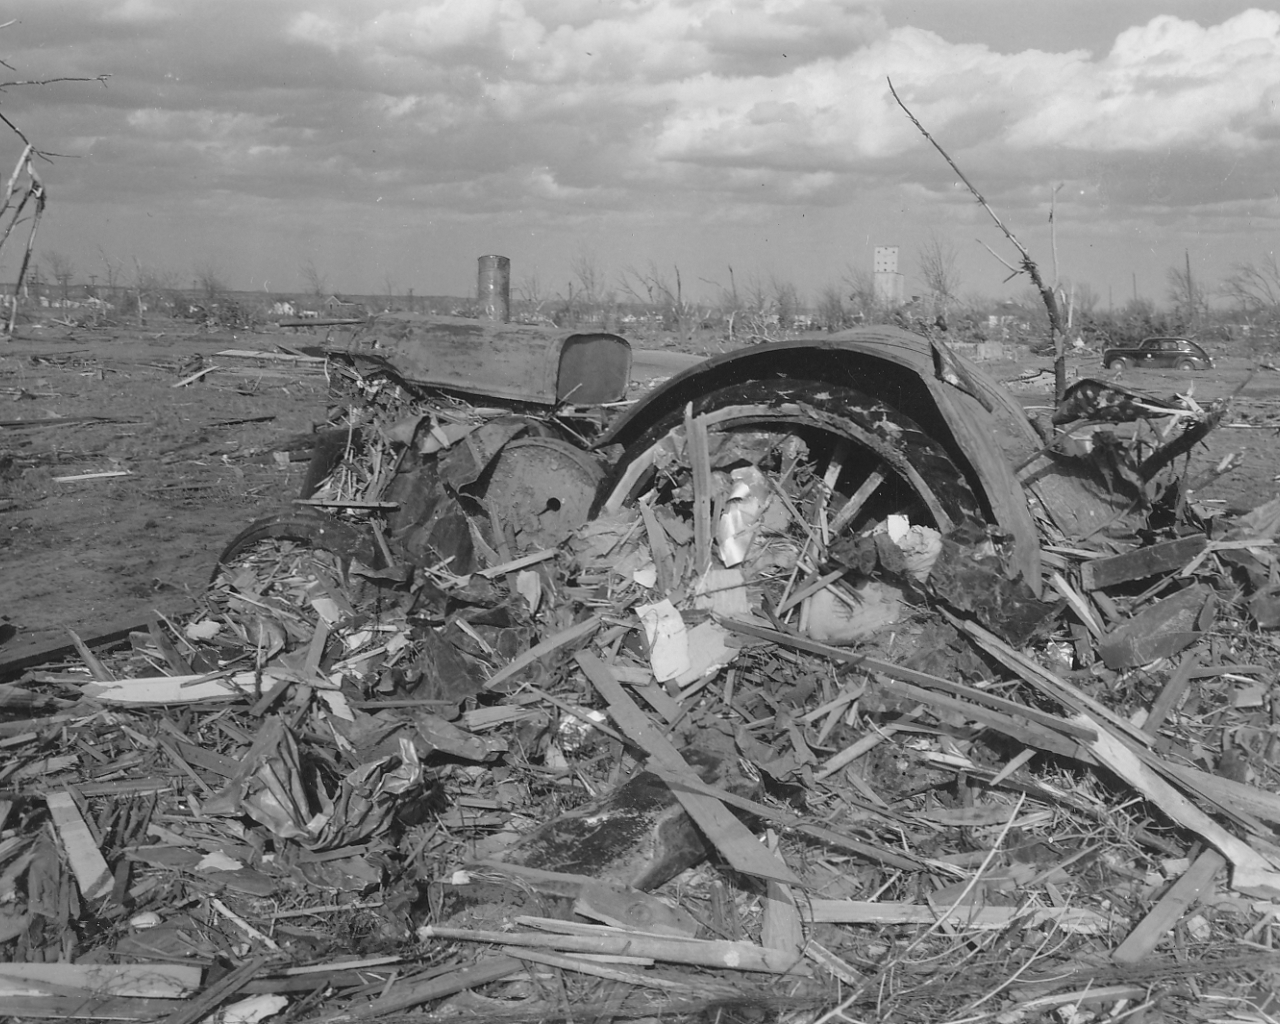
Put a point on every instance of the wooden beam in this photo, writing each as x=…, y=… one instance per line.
x=1170, y=908
x=1144, y=562
x=87, y=862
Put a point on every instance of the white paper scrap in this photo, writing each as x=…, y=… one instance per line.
x=668, y=639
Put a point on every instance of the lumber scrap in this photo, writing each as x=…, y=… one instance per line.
x=571, y=937
x=1252, y=874
x=280, y=359
x=732, y=838
x=216, y=994
x=39, y=650
x=87, y=862
x=143, y=981
x=408, y=994
x=1153, y=560
x=1170, y=908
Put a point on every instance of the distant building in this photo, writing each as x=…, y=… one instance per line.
x=889, y=284
x=336, y=305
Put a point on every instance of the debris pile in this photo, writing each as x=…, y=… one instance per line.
x=755, y=738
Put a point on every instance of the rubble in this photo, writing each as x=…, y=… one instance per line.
x=768, y=699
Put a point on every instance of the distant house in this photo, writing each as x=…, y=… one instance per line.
x=283, y=308
x=336, y=305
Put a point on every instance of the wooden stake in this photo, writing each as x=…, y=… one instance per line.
x=695, y=429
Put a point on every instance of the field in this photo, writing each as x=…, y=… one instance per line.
x=206, y=458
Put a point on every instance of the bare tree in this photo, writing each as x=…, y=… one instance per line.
x=831, y=311
x=1087, y=298
x=665, y=295
x=1185, y=292
x=316, y=282
x=1255, y=287
x=61, y=270
x=590, y=276
x=113, y=270
x=209, y=279
x=392, y=288
x=860, y=288
x=25, y=193
x=589, y=296
x=532, y=293
x=936, y=261
x=1026, y=265
x=786, y=301
x=152, y=288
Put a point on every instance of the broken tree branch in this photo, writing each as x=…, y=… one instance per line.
x=1028, y=264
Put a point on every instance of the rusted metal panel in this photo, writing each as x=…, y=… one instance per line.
x=518, y=362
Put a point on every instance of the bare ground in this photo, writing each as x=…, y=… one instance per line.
x=200, y=458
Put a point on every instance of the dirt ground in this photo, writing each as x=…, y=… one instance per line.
x=205, y=459
x=201, y=462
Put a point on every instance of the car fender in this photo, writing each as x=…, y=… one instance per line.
x=978, y=422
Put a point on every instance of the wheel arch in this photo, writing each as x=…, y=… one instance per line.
x=973, y=418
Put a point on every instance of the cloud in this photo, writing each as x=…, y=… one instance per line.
x=665, y=112
x=1170, y=83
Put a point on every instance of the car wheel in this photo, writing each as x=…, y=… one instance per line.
x=1118, y=363
x=875, y=460
x=1185, y=364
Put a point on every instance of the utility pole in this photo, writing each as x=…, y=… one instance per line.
x=1191, y=292
x=1135, y=287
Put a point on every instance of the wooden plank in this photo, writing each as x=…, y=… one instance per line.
x=548, y=646
x=405, y=995
x=75, y=1004
x=697, y=449
x=732, y=838
x=87, y=862
x=1153, y=560
x=212, y=997
x=1171, y=693
x=280, y=358
x=1170, y=908
x=18, y=657
x=173, y=689
x=1251, y=873
x=971, y=693
x=338, y=503
x=108, y=474
x=780, y=926
x=863, y=912
x=739, y=956
x=192, y=378
x=145, y=981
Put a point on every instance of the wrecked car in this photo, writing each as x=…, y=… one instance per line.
x=503, y=439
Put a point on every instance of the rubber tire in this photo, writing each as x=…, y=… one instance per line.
x=1118, y=364
x=1184, y=365
x=911, y=455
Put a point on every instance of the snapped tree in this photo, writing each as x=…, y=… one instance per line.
x=25, y=194
x=1026, y=265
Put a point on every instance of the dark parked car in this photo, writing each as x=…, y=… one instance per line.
x=1158, y=353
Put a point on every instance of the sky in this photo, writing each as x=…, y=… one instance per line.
x=390, y=143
